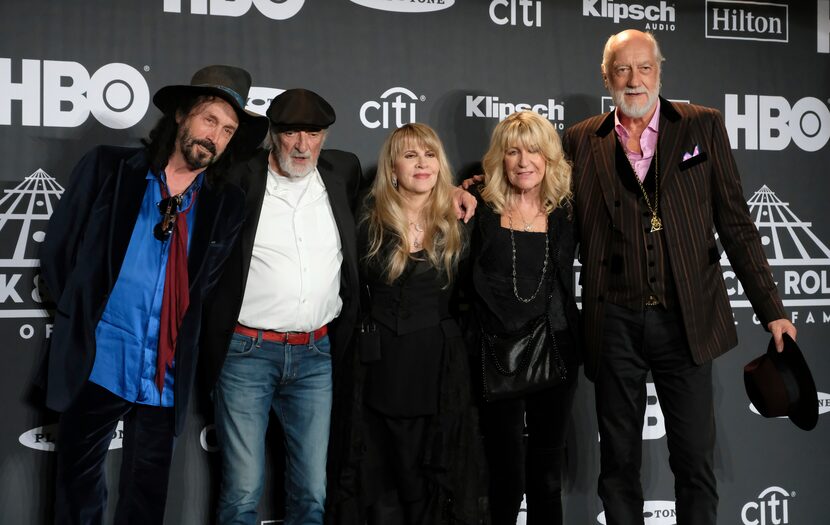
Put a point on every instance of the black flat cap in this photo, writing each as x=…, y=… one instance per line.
x=300, y=110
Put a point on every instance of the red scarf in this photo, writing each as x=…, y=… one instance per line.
x=176, y=296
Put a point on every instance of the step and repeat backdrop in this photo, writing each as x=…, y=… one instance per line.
x=77, y=74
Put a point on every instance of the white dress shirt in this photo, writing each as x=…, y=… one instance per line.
x=294, y=280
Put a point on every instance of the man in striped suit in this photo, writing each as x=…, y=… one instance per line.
x=653, y=181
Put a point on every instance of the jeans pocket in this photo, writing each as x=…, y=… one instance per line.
x=322, y=346
x=240, y=346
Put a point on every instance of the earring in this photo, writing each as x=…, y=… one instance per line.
x=394, y=182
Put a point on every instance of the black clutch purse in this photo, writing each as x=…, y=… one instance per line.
x=513, y=365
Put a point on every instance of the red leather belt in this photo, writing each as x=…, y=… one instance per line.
x=291, y=338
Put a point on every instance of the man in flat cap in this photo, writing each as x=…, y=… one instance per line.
x=132, y=250
x=282, y=313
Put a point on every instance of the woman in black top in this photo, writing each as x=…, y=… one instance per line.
x=413, y=438
x=522, y=259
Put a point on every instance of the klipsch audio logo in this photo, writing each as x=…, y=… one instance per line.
x=406, y=6
x=741, y=20
x=799, y=260
x=62, y=94
x=24, y=214
x=823, y=26
x=259, y=98
x=771, y=508
x=772, y=123
x=482, y=106
x=273, y=9
x=396, y=107
x=516, y=12
x=659, y=17
x=44, y=438
x=655, y=512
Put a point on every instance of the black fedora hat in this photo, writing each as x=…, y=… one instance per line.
x=780, y=384
x=232, y=85
x=300, y=109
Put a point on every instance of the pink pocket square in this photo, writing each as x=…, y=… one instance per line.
x=694, y=153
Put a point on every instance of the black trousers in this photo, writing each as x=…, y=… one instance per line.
x=635, y=342
x=534, y=469
x=84, y=435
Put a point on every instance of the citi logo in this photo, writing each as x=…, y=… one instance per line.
x=823, y=405
x=655, y=512
x=62, y=94
x=273, y=9
x=772, y=508
x=43, y=438
x=771, y=123
x=514, y=12
x=396, y=107
x=742, y=20
x=259, y=98
x=482, y=106
x=406, y=6
x=823, y=27
x=660, y=16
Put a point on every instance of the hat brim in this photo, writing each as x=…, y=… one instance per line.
x=805, y=412
x=780, y=377
x=252, y=127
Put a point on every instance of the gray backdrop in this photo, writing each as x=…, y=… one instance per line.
x=78, y=73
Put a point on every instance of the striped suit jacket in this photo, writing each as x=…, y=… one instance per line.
x=697, y=197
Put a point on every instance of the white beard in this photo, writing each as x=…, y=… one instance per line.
x=631, y=110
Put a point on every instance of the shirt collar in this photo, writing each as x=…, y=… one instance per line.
x=653, y=124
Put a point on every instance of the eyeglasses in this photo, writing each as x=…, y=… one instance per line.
x=168, y=208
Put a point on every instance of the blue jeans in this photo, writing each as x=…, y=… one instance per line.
x=295, y=381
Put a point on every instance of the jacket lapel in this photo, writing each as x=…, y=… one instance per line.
x=603, y=143
x=209, y=203
x=671, y=138
x=339, y=200
x=130, y=186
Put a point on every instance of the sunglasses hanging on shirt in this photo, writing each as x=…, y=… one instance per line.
x=169, y=208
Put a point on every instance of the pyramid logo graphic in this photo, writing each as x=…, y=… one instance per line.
x=798, y=258
x=24, y=215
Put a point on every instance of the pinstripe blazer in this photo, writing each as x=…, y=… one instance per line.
x=697, y=197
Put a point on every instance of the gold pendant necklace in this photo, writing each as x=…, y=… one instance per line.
x=656, y=223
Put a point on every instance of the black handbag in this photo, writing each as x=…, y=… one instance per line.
x=516, y=364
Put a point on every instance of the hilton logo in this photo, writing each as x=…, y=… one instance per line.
x=739, y=20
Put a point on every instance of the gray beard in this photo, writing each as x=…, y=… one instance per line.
x=634, y=111
x=288, y=169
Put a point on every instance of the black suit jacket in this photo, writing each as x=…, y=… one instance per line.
x=85, y=245
x=698, y=197
x=341, y=174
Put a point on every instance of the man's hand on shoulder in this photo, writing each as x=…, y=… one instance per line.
x=779, y=327
x=464, y=204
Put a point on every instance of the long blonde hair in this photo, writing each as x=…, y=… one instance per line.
x=386, y=216
x=534, y=132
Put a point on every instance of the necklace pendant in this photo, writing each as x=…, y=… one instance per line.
x=656, y=223
x=528, y=227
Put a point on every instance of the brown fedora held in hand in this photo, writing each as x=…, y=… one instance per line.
x=780, y=384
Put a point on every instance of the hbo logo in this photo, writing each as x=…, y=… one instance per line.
x=770, y=123
x=116, y=95
x=273, y=9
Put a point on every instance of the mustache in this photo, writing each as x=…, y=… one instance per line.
x=205, y=143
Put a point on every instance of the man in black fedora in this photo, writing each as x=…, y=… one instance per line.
x=131, y=252
x=282, y=314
